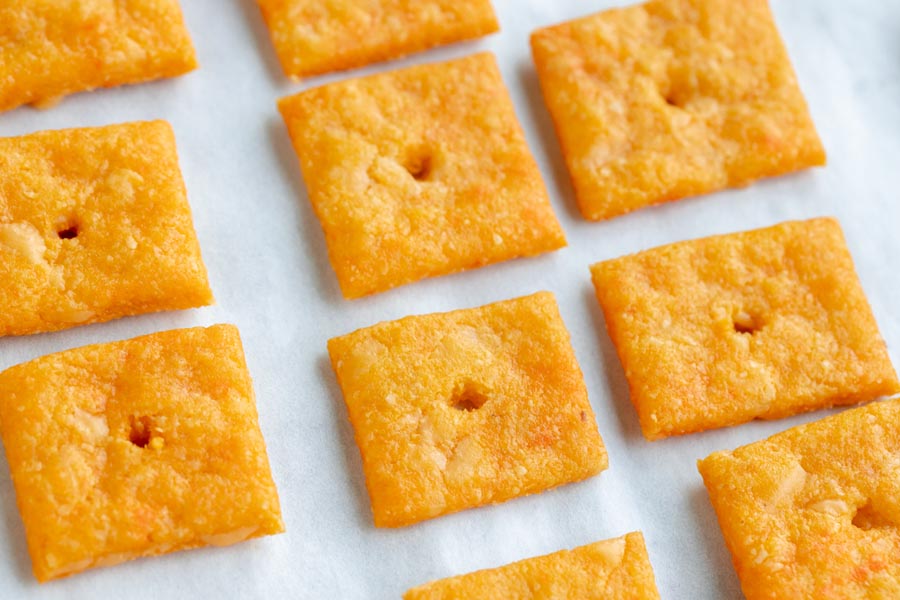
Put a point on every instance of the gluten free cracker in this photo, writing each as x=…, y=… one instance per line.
x=419, y=172
x=760, y=324
x=814, y=512
x=51, y=49
x=616, y=569
x=672, y=98
x=318, y=36
x=94, y=225
x=136, y=448
x=461, y=409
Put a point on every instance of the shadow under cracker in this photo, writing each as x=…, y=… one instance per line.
x=309, y=229
x=549, y=143
x=13, y=530
x=614, y=375
x=352, y=459
x=714, y=550
x=263, y=41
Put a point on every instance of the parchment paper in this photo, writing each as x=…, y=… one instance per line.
x=269, y=270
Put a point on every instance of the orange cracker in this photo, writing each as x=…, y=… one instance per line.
x=471, y=407
x=419, y=172
x=51, y=49
x=672, y=98
x=814, y=512
x=136, y=448
x=617, y=569
x=318, y=36
x=726, y=329
x=94, y=225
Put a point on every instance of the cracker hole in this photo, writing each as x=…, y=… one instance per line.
x=867, y=518
x=672, y=100
x=419, y=166
x=68, y=233
x=468, y=397
x=747, y=323
x=141, y=431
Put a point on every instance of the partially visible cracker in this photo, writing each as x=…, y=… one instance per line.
x=726, y=329
x=616, y=569
x=814, y=512
x=136, y=448
x=318, y=36
x=419, y=172
x=51, y=49
x=94, y=225
x=456, y=410
x=672, y=98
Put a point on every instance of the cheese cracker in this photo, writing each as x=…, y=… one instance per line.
x=471, y=407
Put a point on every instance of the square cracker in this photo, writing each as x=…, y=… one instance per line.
x=616, y=569
x=759, y=324
x=318, y=36
x=419, y=172
x=814, y=512
x=471, y=407
x=94, y=225
x=672, y=98
x=51, y=49
x=136, y=448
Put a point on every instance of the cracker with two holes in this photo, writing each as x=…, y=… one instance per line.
x=419, y=172
x=616, y=569
x=136, y=448
x=318, y=36
x=672, y=98
x=51, y=49
x=760, y=324
x=814, y=512
x=460, y=409
x=94, y=225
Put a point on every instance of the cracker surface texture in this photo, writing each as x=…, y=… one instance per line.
x=136, y=448
x=51, y=49
x=814, y=512
x=760, y=324
x=419, y=172
x=318, y=36
x=94, y=225
x=616, y=569
x=456, y=410
x=672, y=98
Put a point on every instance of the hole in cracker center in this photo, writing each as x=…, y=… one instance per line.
x=419, y=166
x=468, y=396
x=68, y=233
x=867, y=518
x=746, y=322
x=141, y=431
x=673, y=100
